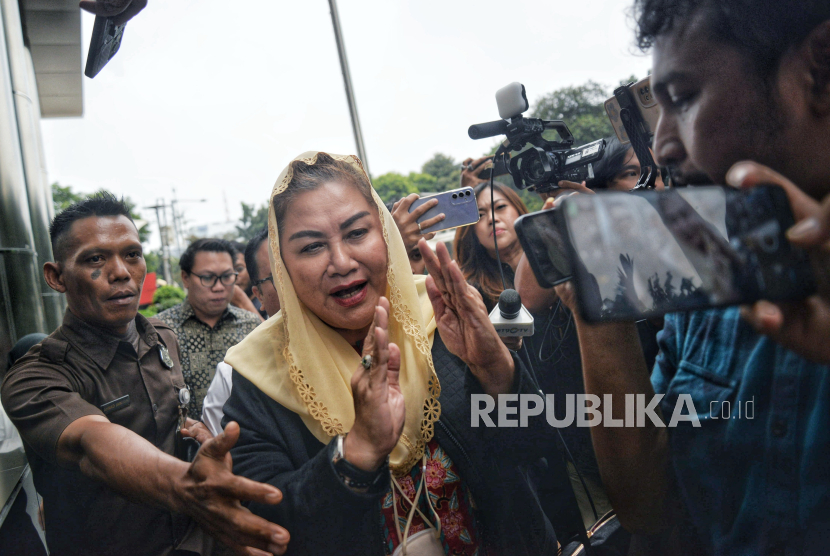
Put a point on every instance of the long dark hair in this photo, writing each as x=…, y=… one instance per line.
x=478, y=267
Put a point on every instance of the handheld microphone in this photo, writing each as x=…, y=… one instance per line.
x=509, y=316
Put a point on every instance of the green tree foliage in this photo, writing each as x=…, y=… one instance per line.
x=392, y=186
x=581, y=107
x=424, y=183
x=445, y=170
x=153, y=262
x=164, y=298
x=62, y=197
x=531, y=200
x=253, y=220
x=168, y=296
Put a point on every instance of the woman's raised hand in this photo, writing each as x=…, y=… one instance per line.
x=464, y=324
x=407, y=222
x=379, y=410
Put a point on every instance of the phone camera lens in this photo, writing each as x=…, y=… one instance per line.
x=467, y=193
x=455, y=196
x=770, y=243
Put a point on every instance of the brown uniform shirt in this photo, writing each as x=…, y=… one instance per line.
x=81, y=370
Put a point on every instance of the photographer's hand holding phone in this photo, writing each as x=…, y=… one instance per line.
x=802, y=326
x=120, y=10
x=407, y=222
x=472, y=168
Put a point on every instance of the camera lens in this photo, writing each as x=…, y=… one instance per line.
x=467, y=193
x=535, y=170
x=455, y=196
x=769, y=243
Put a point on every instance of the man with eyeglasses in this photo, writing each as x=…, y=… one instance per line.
x=205, y=322
x=262, y=282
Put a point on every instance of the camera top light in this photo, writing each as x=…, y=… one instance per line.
x=512, y=100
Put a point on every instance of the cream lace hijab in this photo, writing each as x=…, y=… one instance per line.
x=306, y=366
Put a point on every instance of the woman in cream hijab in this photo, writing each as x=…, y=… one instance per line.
x=354, y=400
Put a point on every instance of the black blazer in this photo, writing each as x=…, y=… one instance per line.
x=324, y=517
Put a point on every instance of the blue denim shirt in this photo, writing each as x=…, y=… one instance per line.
x=755, y=476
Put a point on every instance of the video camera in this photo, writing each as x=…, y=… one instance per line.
x=545, y=147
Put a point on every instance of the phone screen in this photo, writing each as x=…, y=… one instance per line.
x=646, y=254
x=544, y=246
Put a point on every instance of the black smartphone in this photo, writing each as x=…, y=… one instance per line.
x=638, y=255
x=106, y=40
x=541, y=238
x=458, y=205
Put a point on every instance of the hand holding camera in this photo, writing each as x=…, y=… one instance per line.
x=566, y=189
x=471, y=170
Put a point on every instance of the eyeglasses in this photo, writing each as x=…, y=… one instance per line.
x=266, y=279
x=209, y=280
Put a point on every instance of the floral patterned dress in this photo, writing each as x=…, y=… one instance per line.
x=450, y=498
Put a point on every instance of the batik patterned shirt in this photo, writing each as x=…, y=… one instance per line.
x=201, y=347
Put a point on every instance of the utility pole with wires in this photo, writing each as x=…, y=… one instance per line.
x=164, y=233
x=178, y=218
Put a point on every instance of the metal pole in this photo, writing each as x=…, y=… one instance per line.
x=166, y=246
x=176, y=230
x=347, y=82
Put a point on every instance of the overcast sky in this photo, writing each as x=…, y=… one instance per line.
x=213, y=98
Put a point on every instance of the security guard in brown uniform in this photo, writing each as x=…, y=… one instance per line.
x=100, y=405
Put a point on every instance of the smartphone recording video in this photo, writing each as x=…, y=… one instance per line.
x=541, y=238
x=643, y=255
